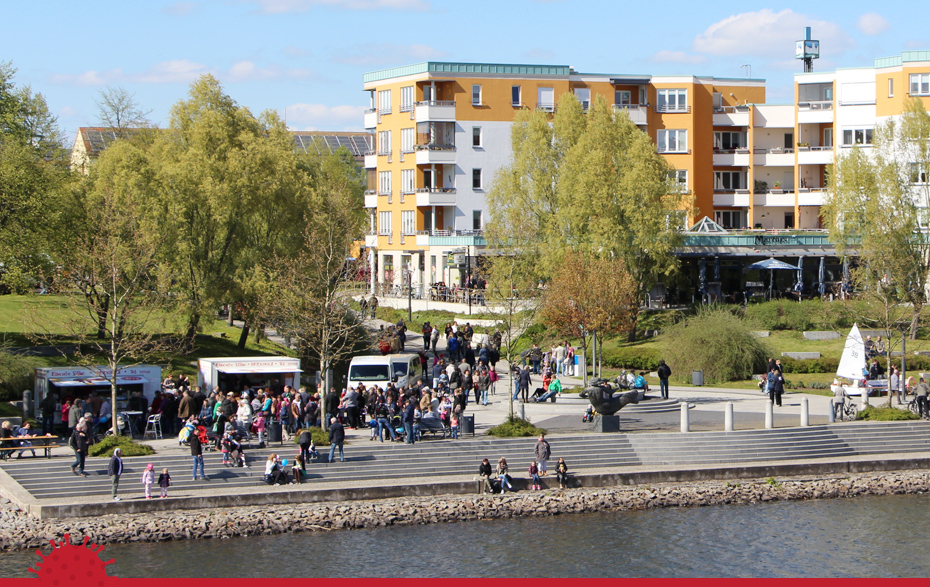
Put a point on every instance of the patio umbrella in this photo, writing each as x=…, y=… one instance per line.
x=821, y=275
x=717, y=269
x=771, y=265
x=846, y=287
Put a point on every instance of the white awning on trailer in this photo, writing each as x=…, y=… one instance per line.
x=97, y=381
x=241, y=370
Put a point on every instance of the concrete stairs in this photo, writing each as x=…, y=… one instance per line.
x=378, y=463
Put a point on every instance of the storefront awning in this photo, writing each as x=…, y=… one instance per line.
x=241, y=370
x=97, y=381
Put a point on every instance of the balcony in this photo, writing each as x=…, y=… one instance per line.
x=435, y=154
x=451, y=238
x=435, y=111
x=731, y=157
x=815, y=155
x=774, y=157
x=774, y=198
x=371, y=118
x=371, y=199
x=815, y=112
x=371, y=240
x=371, y=160
x=738, y=198
x=672, y=109
x=811, y=197
x=639, y=113
x=731, y=116
x=435, y=196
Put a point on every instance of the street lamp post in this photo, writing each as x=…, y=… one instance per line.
x=409, y=295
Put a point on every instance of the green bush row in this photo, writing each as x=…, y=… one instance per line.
x=886, y=414
x=129, y=448
x=638, y=359
x=515, y=428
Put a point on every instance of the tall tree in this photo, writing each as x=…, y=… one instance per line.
x=592, y=182
x=117, y=109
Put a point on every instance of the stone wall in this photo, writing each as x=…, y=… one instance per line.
x=20, y=531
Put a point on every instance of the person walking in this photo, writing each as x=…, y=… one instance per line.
x=921, y=390
x=337, y=436
x=895, y=386
x=78, y=443
x=373, y=306
x=115, y=469
x=542, y=452
x=49, y=409
x=197, y=455
x=408, y=421
x=839, y=399
x=664, y=372
x=525, y=381
x=778, y=387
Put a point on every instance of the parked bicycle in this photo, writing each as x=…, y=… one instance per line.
x=850, y=411
x=912, y=406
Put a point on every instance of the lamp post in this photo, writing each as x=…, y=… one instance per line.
x=409, y=295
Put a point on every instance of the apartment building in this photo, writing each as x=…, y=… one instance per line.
x=442, y=130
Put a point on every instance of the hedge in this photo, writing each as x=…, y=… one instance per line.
x=639, y=359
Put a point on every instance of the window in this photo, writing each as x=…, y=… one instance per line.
x=729, y=140
x=408, y=136
x=920, y=84
x=407, y=181
x=891, y=87
x=729, y=218
x=384, y=183
x=622, y=97
x=384, y=102
x=718, y=102
x=516, y=97
x=428, y=178
x=681, y=177
x=918, y=173
x=857, y=136
x=728, y=180
x=406, y=99
x=673, y=141
x=828, y=137
x=384, y=223
x=584, y=96
x=408, y=222
x=545, y=99
x=672, y=101
x=476, y=136
x=476, y=95
x=476, y=179
x=642, y=95
x=384, y=142
x=476, y=219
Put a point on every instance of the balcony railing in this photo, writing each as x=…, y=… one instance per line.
x=435, y=190
x=668, y=108
x=731, y=109
x=434, y=147
x=437, y=232
x=631, y=106
x=371, y=192
x=436, y=103
x=821, y=105
x=773, y=151
x=545, y=106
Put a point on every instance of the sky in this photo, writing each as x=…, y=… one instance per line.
x=305, y=58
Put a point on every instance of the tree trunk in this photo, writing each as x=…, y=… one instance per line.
x=103, y=311
x=915, y=320
x=243, y=336
x=259, y=332
x=193, y=325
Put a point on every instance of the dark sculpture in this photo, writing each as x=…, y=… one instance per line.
x=602, y=398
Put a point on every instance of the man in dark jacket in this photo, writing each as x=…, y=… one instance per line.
x=331, y=405
x=197, y=455
x=408, y=421
x=337, y=436
x=115, y=469
x=664, y=372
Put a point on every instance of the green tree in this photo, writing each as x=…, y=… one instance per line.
x=591, y=182
x=117, y=109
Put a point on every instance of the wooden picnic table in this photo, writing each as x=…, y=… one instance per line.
x=45, y=439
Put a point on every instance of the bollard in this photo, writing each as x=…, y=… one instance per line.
x=685, y=425
x=769, y=416
x=805, y=413
x=728, y=418
x=832, y=417
x=522, y=412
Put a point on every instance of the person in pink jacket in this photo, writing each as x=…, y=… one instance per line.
x=148, y=477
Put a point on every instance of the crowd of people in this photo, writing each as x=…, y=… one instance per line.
x=499, y=479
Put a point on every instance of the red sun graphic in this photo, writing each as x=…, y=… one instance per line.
x=72, y=564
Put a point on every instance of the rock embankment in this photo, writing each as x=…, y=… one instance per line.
x=20, y=531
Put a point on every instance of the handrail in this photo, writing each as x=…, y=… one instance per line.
x=436, y=103
x=434, y=147
x=436, y=190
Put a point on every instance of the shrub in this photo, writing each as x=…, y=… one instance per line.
x=886, y=414
x=16, y=374
x=514, y=428
x=717, y=342
x=639, y=359
x=822, y=365
x=130, y=448
x=320, y=437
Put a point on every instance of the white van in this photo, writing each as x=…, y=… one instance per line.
x=402, y=369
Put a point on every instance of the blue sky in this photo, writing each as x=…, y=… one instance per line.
x=308, y=56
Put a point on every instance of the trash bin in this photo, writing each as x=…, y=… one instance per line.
x=697, y=378
x=274, y=432
x=468, y=424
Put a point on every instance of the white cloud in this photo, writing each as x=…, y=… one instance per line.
x=285, y=6
x=182, y=71
x=376, y=54
x=666, y=56
x=321, y=116
x=769, y=34
x=872, y=24
x=179, y=8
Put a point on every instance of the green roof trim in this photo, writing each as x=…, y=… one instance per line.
x=448, y=67
x=904, y=57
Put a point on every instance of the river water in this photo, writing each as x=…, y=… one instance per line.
x=861, y=537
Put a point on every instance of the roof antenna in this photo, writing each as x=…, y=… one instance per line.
x=748, y=69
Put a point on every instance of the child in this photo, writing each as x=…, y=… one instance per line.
x=534, y=475
x=225, y=446
x=588, y=414
x=299, y=469
x=148, y=477
x=312, y=451
x=455, y=426
x=259, y=424
x=164, y=480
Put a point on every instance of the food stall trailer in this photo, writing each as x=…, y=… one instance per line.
x=235, y=373
x=79, y=382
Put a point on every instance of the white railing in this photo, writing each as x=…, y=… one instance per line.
x=435, y=190
x=545, y=107
x=666, y=108
x=436, y=103
x=434, y=147
x=821, y=105
x=731, y=109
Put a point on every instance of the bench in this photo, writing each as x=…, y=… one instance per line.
x=7, y=451
x=433, y=426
